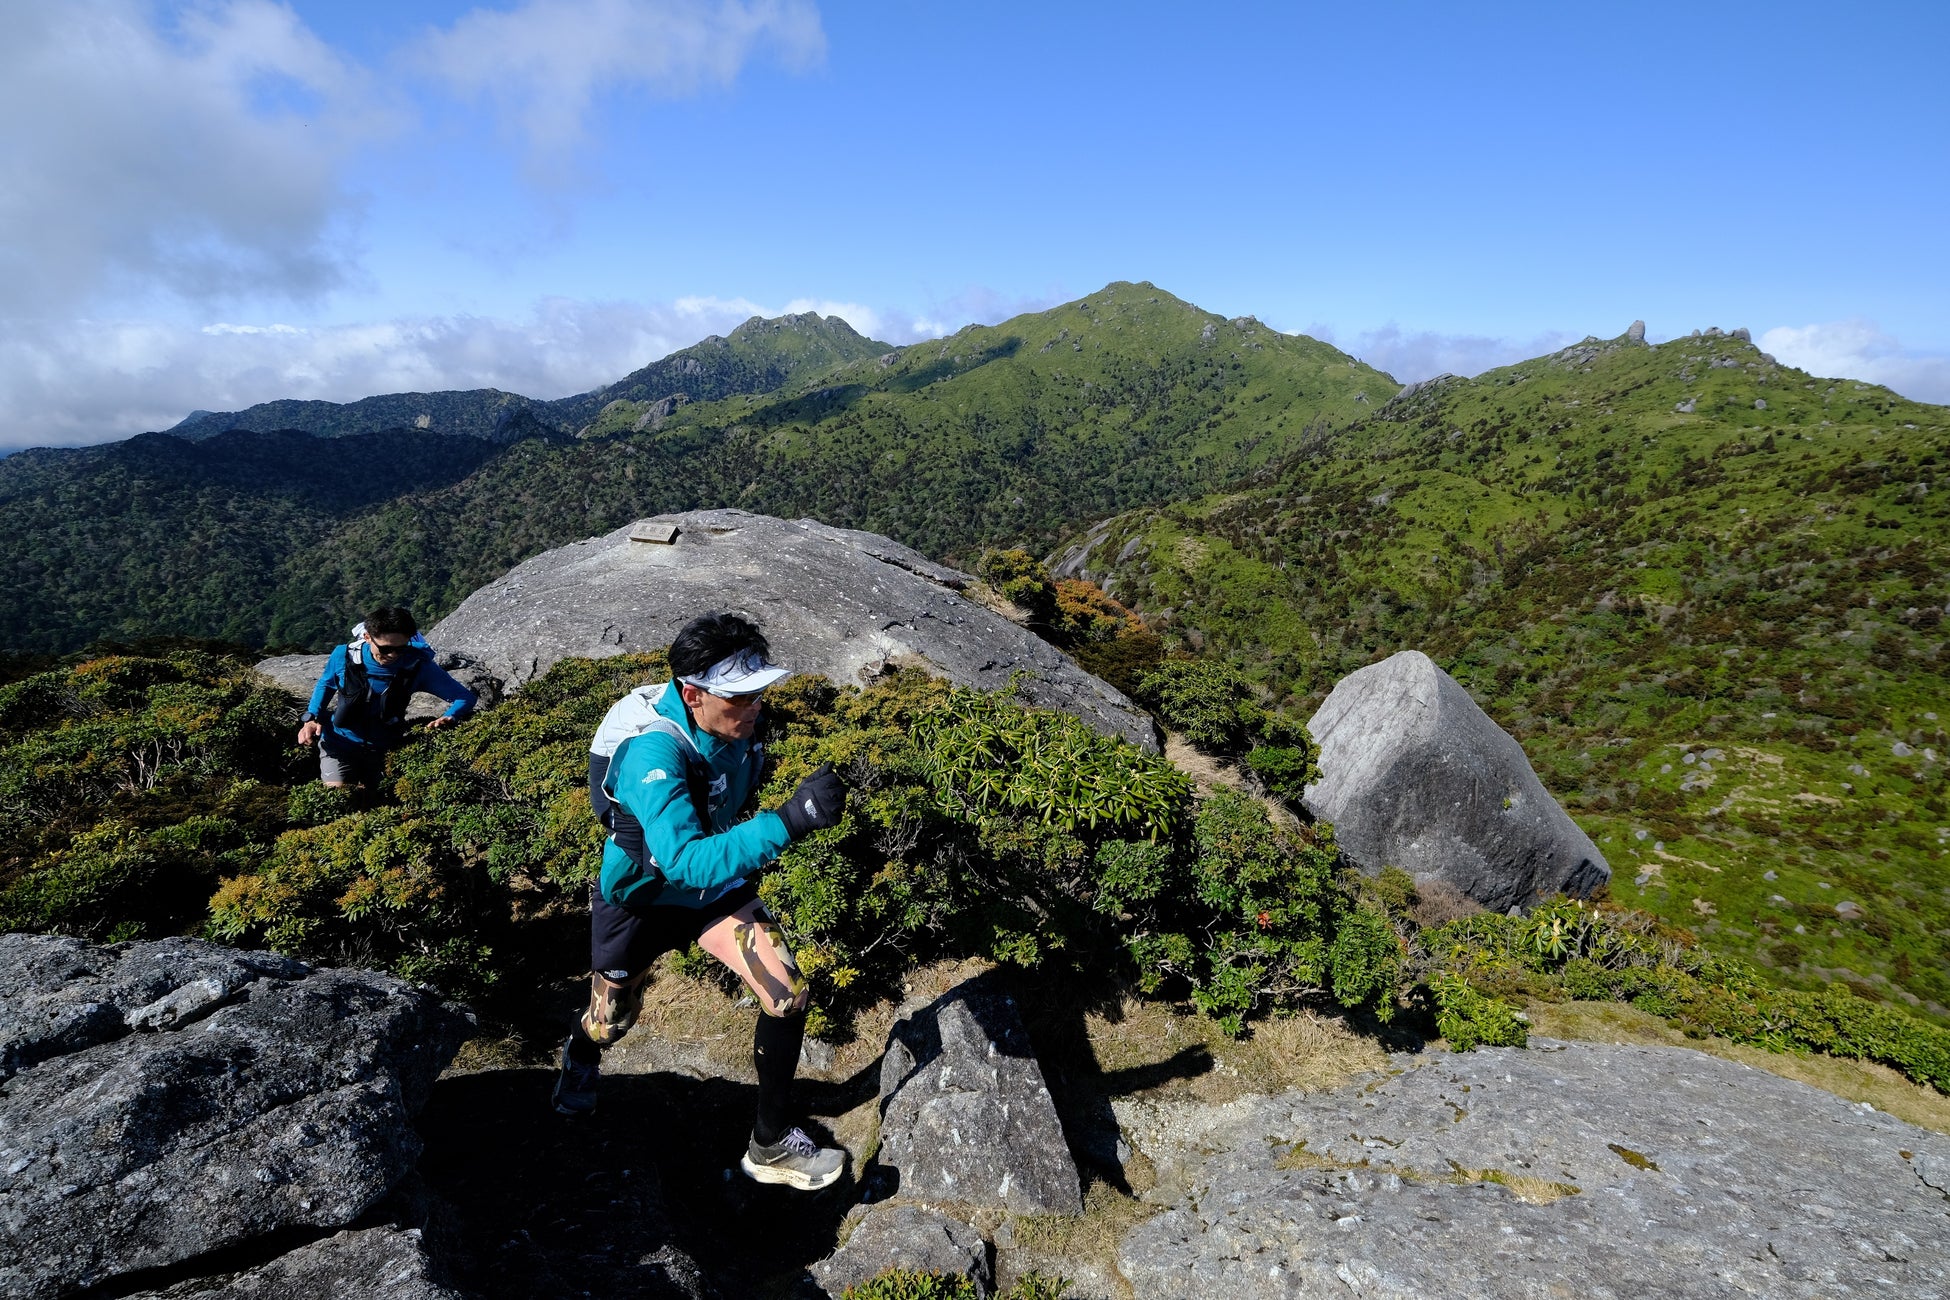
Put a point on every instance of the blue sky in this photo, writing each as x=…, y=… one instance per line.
x=222, y=202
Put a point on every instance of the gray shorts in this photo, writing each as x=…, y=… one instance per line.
x=362, y=770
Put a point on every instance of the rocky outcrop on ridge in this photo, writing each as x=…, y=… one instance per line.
x=161, y=1101
x=966, y=1116
x=1565, y=1169
x=845, y=604
x=1415, y=775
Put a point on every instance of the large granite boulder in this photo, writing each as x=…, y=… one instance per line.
x=1415, y=775
x=1570, y=1169
x=164, y=1100
x=844, y=604
x=965, y=1113
x=904, y=1236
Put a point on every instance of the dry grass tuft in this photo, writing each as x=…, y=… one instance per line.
x=1307, y=1052
x=1091, y=1237
x=507, y=1052
x=1298, y=1157
x=1880, y=1086
x=1525, y=1187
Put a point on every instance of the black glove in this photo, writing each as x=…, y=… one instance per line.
x=815, y=805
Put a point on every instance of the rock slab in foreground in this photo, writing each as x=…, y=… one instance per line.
x=909, y=1237
x=965, y=1113
x=1694, y=1177
x=1415, y=775
x=167, y=1099
x=386, y=1263
x=832, y=601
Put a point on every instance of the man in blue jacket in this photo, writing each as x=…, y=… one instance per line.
x=369, y=681
x=671, y=770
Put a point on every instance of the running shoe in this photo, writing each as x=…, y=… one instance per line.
x=794, y=1160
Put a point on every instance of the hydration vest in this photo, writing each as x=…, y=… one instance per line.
x=623, y=825
x=357, y=705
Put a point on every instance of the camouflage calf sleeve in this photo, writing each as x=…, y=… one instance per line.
x=613, y=1006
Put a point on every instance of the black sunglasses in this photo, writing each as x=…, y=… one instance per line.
x=389, y=651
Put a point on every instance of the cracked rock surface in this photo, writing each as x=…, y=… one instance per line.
x=159, y=1101
x=834, y=601
x=383, y=1263
x=1569, y=1169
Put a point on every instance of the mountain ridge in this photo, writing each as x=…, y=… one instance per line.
x=759, y=355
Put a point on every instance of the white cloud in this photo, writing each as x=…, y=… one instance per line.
x=1425, y=354
x=1858, y=349
x=93, y=380
x=543, y=64
x=201, y=160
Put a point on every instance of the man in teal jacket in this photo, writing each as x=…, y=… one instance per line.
x=671, y=769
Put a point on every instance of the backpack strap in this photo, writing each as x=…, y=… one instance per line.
x=624, y=827
x=355, y=703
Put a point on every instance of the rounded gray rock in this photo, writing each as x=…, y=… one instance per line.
x=1415, y=775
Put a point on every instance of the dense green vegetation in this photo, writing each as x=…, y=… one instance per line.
x=1015, y=432
x=130, y=784
x=157, y=535
x=1703, y=589
x=147, y=794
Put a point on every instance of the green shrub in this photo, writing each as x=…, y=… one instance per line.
x=315, y=803
x=913, y=1284
x=1468, y=1019
x=1570, y=949
x=1217, y=710
x=1021, y=579
x=1285, y=770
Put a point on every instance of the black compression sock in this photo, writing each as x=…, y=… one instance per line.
x=775, y=1054
x=582, y=1048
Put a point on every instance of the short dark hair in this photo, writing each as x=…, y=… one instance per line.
x=711, y=637
x=390, y=619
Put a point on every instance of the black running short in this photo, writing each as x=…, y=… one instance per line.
x=628, y=939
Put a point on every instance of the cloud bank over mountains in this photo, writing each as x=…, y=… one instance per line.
x=1858, y=349
x=185, y=225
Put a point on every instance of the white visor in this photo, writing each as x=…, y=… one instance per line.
x=744, y=673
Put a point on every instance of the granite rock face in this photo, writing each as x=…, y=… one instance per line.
x=905, y=1236
x=965, y=1113
x=1415, y=775
x=1570, y=1169
x=163, y=1100
x=384, y=1263
x=848, y=605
